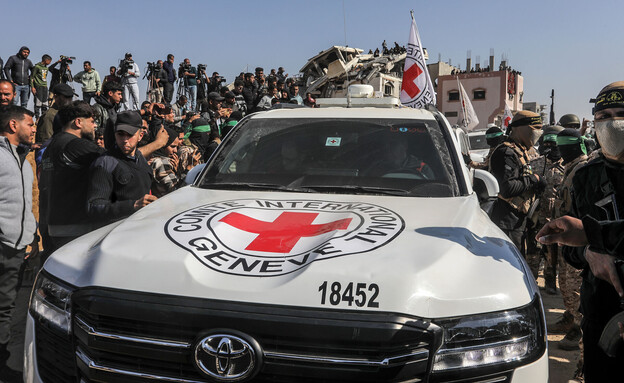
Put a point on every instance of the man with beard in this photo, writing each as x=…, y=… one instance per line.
x=7, y=92
x=120, y=180
x=510, y=164
x=596, y=227
x=17, y=222
x=18, y=69
x=64, y=176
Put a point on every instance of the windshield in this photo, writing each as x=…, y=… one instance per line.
x=355, y=156
x=478, y=142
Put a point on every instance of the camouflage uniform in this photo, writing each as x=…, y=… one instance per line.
x=569, y=277
x=553, y=175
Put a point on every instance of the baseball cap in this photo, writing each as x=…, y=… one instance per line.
x=64, y=90
x=129, y=121
x=215, y=96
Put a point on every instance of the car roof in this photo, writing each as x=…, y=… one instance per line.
x=341, y=112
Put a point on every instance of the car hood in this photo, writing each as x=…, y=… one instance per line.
x=429, y=257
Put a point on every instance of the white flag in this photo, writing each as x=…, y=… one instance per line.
x=507, y=116
x=416, y=88
x=467, y=115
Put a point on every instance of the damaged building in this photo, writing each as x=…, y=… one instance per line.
x=329, y=73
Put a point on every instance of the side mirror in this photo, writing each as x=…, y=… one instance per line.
x=192, y=175
x=486, y=187
x=485, y=184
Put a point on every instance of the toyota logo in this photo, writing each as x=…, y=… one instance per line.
x=226, y=357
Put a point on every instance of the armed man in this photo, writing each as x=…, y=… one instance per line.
x=574, y=155
x=549, y=167
x=510, y=164
x=598, y=199
x=494, y=136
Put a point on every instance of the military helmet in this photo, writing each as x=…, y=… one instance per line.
x=570, y=121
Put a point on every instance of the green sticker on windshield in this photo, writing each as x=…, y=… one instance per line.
x=333, y=141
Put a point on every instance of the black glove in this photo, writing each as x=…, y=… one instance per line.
x=540, y=186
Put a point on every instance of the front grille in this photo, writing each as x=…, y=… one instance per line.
x=130, y=337
x=55, y=355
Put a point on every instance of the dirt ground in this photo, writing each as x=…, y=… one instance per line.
x=562, y=364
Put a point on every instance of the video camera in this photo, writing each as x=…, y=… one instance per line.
x=67, y=59
x=124, y=66
x=184, y=67
x=201, y=68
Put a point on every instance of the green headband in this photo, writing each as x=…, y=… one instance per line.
x=550, y=137
x=493, y=135
x=202, y=128
x=569, y=140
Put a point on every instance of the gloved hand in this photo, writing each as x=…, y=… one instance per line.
x=540, y=186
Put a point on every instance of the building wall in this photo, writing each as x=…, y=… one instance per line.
x=490, y=109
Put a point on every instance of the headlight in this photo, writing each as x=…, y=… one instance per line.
x=513, y=336
x=50, y=303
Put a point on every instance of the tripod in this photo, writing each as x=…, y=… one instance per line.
x=154, y=92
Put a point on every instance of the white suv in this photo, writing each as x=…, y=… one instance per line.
x=318, y=245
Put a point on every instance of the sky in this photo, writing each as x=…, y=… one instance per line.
x=570, y=46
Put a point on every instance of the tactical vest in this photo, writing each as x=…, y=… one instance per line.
x=521, y=203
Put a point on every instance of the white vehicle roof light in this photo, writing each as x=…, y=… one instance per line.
x=361, y=91
x=491, y=339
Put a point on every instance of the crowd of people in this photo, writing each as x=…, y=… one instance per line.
x=102, y=158
x=562, y=205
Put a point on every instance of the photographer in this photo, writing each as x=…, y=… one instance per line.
x=60, y=75
x=202, y=82
x=90, y=80
x=129, y=73
x=215, y=83
x=171, y=78
x=156, y=80
x=179, y=110
x=188, y=74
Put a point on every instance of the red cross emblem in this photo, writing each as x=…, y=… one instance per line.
x=333, y=141
x=409, y=76
x=281, y=235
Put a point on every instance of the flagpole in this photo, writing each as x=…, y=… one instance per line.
x=463, y=105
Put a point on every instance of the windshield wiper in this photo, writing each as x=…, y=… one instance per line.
x=254, y=186
x=358, y=188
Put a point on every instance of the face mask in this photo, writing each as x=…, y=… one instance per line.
x=570, y=152
x=554, y=155
x=525, y=135
x=534, y=136
x=610, y=134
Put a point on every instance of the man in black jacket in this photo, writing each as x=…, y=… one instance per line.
x=64, y=175
x=171, y=78
x=120, y=180
x=105, y=109
x=598, y=200
x=511, y=165
x=18, y=69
